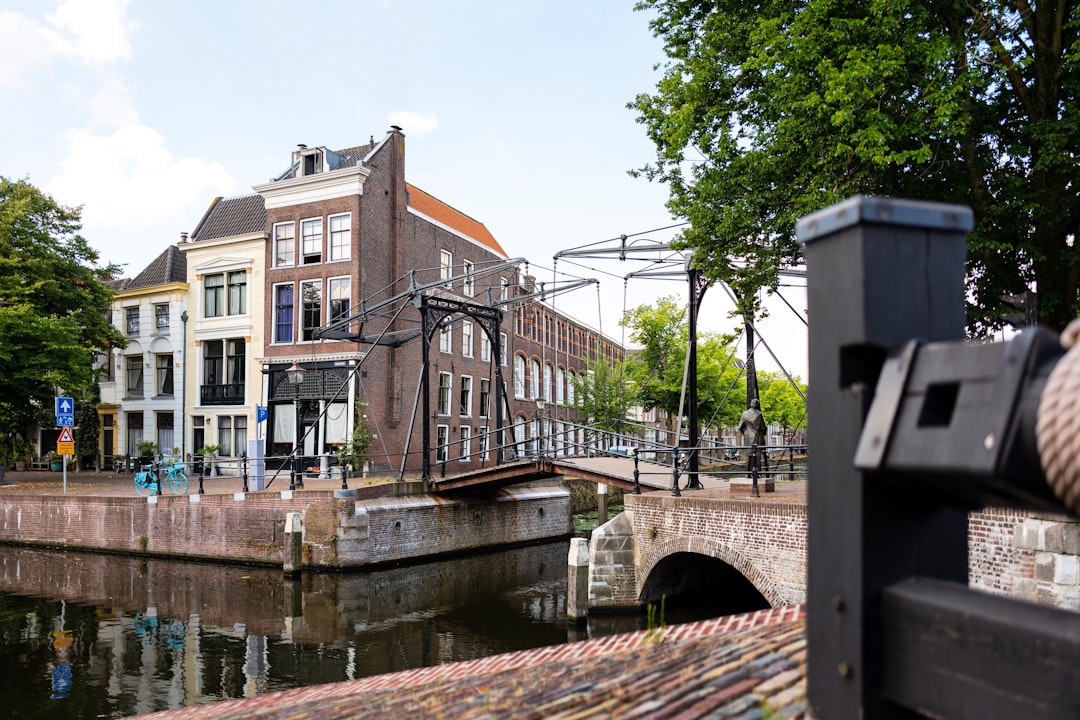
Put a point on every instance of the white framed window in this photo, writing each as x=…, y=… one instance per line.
x=446, y=339
x=466, y=339
x=571, y=378
x=237, y=292
x=442, y=443
x=163, y=374
x=504, y=293
x=485, y=347
x=466, y=442
x=485, y=396
x=502, y=349
x=161, y=318
x=340, y=237
x=560, y=384
x=482, y=441
x=547, y=383
x=340, y=297
x=284, y=312
x=133, y=365
x=446, y=267
x=534, y=379
x=469, y=286
x=465, y=397
x=445, y=382
x=519, y=377
x=311, y=297
x=214, y=295
x=284, y=244
x=311, y=241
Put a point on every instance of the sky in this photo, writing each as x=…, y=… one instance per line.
x=515, y=113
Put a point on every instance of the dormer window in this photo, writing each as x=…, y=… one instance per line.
x=310, y=160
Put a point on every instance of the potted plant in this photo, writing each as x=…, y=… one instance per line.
x=24, y=453
x=355, y=452
x=209, y=453
x=147, y=450
x=56, y=462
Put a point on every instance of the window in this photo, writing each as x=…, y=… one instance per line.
x=284, y=245
x=446, y=267
x=466, y=442
x=134, y=433
x=446, y=339
x=132, y=321
x=163, y=375
x=133, y=365
x=165, y=441
x=214, y=295
x=547, y=383
x=213, y=362
x=466, y=339
x=234, y=361
x=485, y=347
x=238, y=293
x=502, y=349
x=505, y=292
x=444, y=393
x=311, y=241
x=161, y=318
x=311, y=293
x=442, y=443
x=485, y=392
x=283, y=313
x=465, y=396
x=240, y=438
x=570, y=388
x=483, y=443
x=340, y=297
x=232, y=435
x=534, y=379
x=224, y=434
x=469, y=286
x=560, y=383
x=519, y=376
x=340, y=237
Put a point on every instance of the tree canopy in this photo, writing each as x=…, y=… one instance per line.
x=781, y=403
x=657, y=368
x=768, y=111
x=55, y=306
x=604, y=394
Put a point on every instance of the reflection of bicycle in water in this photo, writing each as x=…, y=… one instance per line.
x=146, y=481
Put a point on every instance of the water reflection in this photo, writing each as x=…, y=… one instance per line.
x=106, y=636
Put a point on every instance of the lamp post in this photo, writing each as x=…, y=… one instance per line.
x=296, y=378
x=541, y=403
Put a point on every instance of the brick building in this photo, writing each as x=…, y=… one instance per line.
x=343, y=230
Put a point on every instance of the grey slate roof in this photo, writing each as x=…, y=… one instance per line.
x=169, y=267
x=232, y=216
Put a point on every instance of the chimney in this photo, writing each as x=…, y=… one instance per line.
x=184, y=236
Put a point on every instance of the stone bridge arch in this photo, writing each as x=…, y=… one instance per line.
x=659, y=551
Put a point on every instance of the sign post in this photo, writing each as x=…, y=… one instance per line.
x=65, y=420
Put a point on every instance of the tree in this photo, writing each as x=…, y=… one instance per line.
x=55, y=306
x=781, y=403
x=657, y=369
x=769, y=111
x=604, y=395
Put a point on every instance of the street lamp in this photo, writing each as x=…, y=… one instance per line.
x=541, y=403
x=295, y=373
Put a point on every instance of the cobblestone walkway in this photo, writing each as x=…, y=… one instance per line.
x=742, y=666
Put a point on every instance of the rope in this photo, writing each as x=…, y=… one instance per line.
x=1057, y=425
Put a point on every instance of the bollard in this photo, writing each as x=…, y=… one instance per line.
x=294, y=544
x=577, y=580
x=637, y=474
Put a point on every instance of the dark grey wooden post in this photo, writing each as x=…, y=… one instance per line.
x=879, y=272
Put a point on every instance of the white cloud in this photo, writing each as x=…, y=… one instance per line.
x=97, y=30
x=112, y=105
x=414, y=123
x=133, y=189
x=25, y=45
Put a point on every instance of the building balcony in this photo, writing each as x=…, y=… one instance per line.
x=230, y=394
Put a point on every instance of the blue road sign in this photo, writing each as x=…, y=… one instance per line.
x=65, y=421
x=64, y=406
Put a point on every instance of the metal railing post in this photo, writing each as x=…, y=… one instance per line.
x=637, y=484
x=675, y=472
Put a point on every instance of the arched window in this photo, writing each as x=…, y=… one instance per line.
x=548, y=395
x=570, y=388
x=534, y=379
x=560, y=384
x=519, y=376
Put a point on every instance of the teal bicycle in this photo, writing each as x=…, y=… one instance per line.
x=146, y=481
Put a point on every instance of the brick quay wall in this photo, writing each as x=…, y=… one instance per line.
x=250, y=527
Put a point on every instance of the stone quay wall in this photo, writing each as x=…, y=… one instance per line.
x=250, y=527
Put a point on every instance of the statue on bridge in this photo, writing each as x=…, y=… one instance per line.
x=752, y=428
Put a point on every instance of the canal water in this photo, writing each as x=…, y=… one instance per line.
x=103, y=636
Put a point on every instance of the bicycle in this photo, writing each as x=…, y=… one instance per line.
x=146, y=481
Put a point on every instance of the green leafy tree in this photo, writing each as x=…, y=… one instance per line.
x=768, y=111
x=657, y=369
x=54, y=306
x=781, y=403
x=604, y=395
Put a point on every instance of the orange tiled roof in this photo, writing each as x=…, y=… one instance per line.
x=438, y=210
